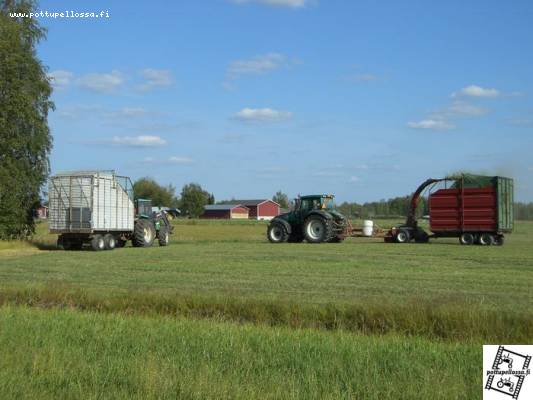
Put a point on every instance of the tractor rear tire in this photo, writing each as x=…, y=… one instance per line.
x=163, y=236
x=98, y=242
x=277, y=233
x=402, y=236
x=143, y=233
x=318, y=229
x=467, y=239
x=110, y=241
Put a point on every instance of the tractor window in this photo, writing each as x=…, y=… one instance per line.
x=306, y=204
x=327, y=203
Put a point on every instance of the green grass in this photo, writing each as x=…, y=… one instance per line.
x=229, y=270
x=222, y=313
x=70, y=355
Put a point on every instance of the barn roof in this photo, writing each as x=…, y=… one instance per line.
x=222, y=207
x=253, y=203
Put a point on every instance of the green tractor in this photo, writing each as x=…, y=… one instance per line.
x=313, y=219
x=149, y=225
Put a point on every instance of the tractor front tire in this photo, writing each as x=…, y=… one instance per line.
x=163, y=236
x=98, y=242
x=318, y=229
x=143, y=233
x=276, y=233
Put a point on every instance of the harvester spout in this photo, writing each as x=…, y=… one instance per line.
x=411, y=215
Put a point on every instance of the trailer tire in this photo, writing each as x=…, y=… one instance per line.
x=402, y=236
x=143, y=233
x=499, y=240
x=98, y=242
x=277, y=233
x=163, y=236
x=467, y=239
x=486, y=239
x=110, y=241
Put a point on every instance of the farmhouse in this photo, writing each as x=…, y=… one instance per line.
x=225, y=211
x=264, y=209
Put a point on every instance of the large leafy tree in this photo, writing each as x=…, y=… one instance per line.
x=25, y=140
x=282, y=199
x=148, y=188
x=193, y=200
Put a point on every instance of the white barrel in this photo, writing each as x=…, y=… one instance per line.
x=368, y=227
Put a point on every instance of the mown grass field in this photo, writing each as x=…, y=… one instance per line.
x=222, y=313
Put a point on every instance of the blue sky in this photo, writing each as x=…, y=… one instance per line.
x=363, y=99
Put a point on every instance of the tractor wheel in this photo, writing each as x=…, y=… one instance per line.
x=276, y=233
x=318, y=229
x=110, y=241
x=486, y=239
x=163, y=236
x=402, y=236
x=467, y=239
x=143, y=233
x=121, y=243
x=98, y=242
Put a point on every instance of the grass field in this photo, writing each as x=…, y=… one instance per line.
x=222, y=313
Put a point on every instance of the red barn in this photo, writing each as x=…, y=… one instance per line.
x=225, y=211
x=264, y=209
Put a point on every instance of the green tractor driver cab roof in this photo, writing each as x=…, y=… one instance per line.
x=315, y=201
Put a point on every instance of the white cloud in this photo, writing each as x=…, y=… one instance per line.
x=353, y=179
x=169, y=160
x=138, y=141
x=156, y=78
x=262, y=115
x=466, y=109
x=104, y=83
x=127, y=112
x=476, y=91
x=61, y=78
x=256, y=65
x=278, y=3
x=434, y=124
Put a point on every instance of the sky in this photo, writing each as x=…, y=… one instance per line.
x=363, y=99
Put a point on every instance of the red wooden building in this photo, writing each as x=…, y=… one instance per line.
x=264, y=209
x=225, y=211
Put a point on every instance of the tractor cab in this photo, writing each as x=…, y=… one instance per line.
x=314, y=202
x=143, y=208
